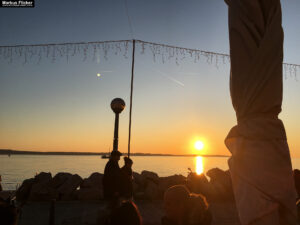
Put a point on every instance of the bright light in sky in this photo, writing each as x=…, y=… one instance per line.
x=199, y=145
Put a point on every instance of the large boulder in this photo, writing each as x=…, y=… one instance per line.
x=148, y=175
x=139, y=179
x=42, y=192
x=23, y=191
x=139, y=182
x=65, y=191
x=151, y=191
x=166, y=182
x=43, y=177
x=88, y=194
x=59, y=179
x=94, y=181
x=215, y=174
x=221, y=185
x=197, y=183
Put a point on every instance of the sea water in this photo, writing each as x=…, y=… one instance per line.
x=16, y=168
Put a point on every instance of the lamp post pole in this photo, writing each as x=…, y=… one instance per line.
x=117, y=105
x=116, y=133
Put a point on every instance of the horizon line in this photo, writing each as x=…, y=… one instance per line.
x=29, y=152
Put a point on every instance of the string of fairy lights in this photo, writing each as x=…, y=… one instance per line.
x=35, y=53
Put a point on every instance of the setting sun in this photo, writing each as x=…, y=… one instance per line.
x=199, y=145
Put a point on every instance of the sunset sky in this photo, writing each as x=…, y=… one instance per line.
x=65, y=106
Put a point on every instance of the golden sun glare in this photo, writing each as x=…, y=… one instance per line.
x=199, y=145
x=199, y=165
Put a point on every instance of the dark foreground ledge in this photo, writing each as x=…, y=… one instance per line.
x=90, y=213
x=79, y=201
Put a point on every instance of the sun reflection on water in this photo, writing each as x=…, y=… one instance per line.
x=199, y=165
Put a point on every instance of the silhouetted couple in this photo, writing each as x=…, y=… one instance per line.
x=117, y=182
x=180, y=208
x=184, y=208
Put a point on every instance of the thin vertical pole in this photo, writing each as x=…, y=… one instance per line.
x=116, y=133
x=131, y=90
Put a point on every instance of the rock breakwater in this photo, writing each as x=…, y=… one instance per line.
x=147, y=185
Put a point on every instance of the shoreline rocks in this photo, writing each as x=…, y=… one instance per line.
x=147, y=185
x=45, y=188
x=216, y=186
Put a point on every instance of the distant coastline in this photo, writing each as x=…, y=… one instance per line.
x=21, y=152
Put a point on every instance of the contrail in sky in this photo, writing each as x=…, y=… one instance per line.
x=160, y=72
x=166, y=76
x=171, y=78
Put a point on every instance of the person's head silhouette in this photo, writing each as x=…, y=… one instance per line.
x=126, y=214
x=198, y=212
x=128, y=162
x=182, y=207
x=115, y=156
x=175, y=202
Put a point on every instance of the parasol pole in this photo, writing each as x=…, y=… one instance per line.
x=131, y=90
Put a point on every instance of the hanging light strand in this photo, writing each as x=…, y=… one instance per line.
x=160, y=52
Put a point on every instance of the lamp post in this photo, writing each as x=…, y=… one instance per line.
x=117, y=105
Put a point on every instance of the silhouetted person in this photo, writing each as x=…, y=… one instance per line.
x=126, y=214
x=183, y=208
x=112, y=178
x=175, y=202
x=8, y=213
x=197, y=212
x=127, y=187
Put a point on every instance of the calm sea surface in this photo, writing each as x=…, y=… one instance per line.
x=16, y=168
